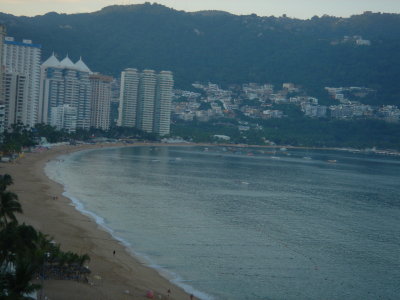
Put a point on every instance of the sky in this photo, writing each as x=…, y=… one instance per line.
x=302, y=9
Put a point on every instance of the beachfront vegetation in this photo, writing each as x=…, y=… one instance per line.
x=308, y=132
x=19, y=136
x=28, y=255
x=293, y=131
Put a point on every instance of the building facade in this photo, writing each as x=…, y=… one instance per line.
x=146, y=104
x=162, y=111
x=15, y=90
x=64, y=117
x=23, y=59
x=2, y=36
x=128, y=99
x=65, y=83
x=100, y=101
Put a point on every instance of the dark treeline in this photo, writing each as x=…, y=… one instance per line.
x=294, y=131
x=27, y=255
x=358, y=134
x=19, y=136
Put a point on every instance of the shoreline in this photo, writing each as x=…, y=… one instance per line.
x=123, y=276
x=119, y=276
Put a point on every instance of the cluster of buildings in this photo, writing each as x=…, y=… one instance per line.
x=69, y=96
x=262, y=101
x=349, y=108
x=355, y=40
x=251, y=99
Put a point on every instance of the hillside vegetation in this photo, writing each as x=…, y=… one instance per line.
x=225, y=48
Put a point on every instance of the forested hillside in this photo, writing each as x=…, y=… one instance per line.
x=225, y=48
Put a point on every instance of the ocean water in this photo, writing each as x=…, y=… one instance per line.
x=235, y=223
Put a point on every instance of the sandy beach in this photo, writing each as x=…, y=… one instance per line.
x=112, y=277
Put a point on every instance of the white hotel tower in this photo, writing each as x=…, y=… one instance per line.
x=21, y=62
x=162, y=112
x=146, y=104
x=65, y=83
x=128, y=99
x=100, y=101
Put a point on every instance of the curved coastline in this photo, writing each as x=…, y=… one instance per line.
x=47, y=208
x=121, y=277
x=175, y=279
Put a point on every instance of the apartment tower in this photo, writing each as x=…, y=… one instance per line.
x=15, y=90
x=147, y=90
x=22, y=60
x=100, y=101
x=162, y=111
x=2, y=105
x=65, y=83
x=2, y=36
x=128, y=99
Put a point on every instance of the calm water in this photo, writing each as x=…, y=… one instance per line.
x=232, y=224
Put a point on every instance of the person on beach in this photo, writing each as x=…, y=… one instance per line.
x=114, y=253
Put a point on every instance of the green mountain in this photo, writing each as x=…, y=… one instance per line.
x=224, y=48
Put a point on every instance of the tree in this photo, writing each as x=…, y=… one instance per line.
x=19, y=136
x=18, y=284
x=25, y=252
x=9, y=204
x=5, y=180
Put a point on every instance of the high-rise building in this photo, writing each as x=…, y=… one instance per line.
x=147, y=93
x=15, y=88
x=23, y=59
x=128, y=100
x=100, y=101
x=2, y=35
x=2, y=105
x=63, y=82
x=162, y=111
x=145, y=100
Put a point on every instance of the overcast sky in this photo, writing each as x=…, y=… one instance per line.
x=292, y=8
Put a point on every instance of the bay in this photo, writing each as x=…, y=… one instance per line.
x=248, y=223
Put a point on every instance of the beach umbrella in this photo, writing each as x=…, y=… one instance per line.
x=150, y=294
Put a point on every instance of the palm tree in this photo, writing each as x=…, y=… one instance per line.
x=19, y=260
x=5, y=180
x=9, y=205
x=82, y=259
x=18, y=284
x=17, y=241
